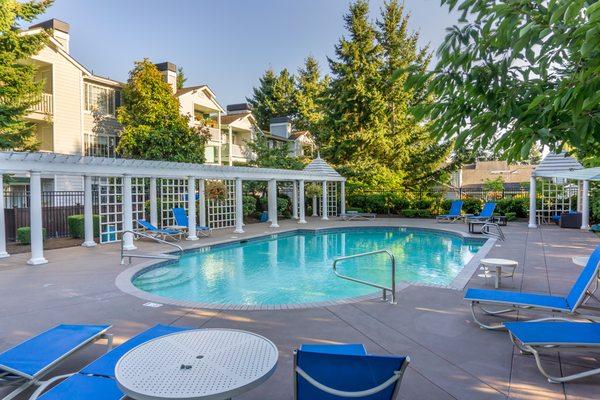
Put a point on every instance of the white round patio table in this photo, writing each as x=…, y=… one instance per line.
x=203, y=364
x=498, y=264
x=581, y=260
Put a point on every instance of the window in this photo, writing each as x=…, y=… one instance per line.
x=100, y=99
x=100, y=145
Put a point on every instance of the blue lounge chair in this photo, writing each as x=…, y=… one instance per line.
x=97, y=380
x=329, y=372
x=454, y=214
x=181, y=220
x=486, y=213
x=25, y=364
x=558, y=334
x=160, y=233
x=576, y=298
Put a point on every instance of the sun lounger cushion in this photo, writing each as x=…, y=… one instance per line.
x=105, y=365
x=510, y=298
x=83, y=387
x=32, y=356
x=556, y=333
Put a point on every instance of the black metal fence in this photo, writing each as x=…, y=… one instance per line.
x=57, y=206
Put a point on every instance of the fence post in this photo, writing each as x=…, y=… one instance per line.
x=3, y=253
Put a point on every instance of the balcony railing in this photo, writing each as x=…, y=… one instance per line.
x=44, y=106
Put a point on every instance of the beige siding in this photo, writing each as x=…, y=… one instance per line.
x=67, y=81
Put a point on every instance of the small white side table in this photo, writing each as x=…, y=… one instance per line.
x=489, y=264
x=203, y=364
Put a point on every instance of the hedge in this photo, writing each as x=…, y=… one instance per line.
x=24, y=235
x=76, y=225
x=249, y=205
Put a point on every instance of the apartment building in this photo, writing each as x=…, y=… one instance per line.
x=76, y=113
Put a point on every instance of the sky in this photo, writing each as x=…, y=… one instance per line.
x=226, y=44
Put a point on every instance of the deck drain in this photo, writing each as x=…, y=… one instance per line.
x=153, y=305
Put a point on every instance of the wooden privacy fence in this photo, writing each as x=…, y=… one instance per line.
x=57, y=206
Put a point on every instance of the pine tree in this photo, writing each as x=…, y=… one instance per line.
x=274, y=97
x=354, y=132
x=310, y=88
x=414, y=152
x=19, y=90
x=153, y=128
x=181, y=79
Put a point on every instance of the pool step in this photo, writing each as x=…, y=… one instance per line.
x=153, y=274
x=164, y=281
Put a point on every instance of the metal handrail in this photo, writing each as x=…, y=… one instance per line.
x=385, y=289
x=145, y=235
x=485, y=229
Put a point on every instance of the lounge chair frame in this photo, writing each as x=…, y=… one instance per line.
x=581, y=304
x=23, y=381
x=451, y=218
x=358, y=216
x=202, y=230
x=162, y=233
x=529, y=349
x=395, y=379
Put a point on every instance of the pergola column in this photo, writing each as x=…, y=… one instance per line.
x=88, y=213
x=3, y=253
x=342, y=197
x=315, y=206
x=272, y=202
x=127, y=214
x=192, y=209
x=239, y=207
x=295, y=200
x=35, y=216
x=153, y=203
x=324, y=211
x=302, y=219
x=202, y=202
x=532, y=203
x=585, y=205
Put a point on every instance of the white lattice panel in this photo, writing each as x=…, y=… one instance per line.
x=138, y=199
x=221, y=213
x=110, y=202
x=173, y=194
x=332, y=198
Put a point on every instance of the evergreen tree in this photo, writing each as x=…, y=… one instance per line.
x=19, y=90
x=354, y=131
x=181, y=79
x=272, y=157
x=153, y=128
x=414, y=151
x=274, y=97
x=310, y=88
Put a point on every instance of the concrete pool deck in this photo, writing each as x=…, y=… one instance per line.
x=451, y=356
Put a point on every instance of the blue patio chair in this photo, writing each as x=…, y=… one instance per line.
x=454, y=214
x=486, y=213
x=557, y=334
x=576, y=298
x=160, y=233
x=330, y=372
x=97, y=380
x=181, y=219
x=25, y=364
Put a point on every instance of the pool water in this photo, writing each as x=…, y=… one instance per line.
x=296, y=268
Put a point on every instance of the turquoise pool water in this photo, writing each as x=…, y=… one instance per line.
x=297, y=267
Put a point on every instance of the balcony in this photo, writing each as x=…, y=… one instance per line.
x=44, y=105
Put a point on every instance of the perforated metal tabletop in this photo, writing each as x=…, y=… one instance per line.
x=205, y=364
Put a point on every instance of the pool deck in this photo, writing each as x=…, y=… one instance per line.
x=451, y=358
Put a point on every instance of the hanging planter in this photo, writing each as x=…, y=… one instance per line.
x=313, y=189
x=216, y=190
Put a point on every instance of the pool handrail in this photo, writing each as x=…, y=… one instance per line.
x=385, y=289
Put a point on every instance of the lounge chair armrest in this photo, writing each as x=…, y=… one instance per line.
x=44, y=384
x=362, y=393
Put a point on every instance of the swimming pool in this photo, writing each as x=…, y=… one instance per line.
x=296, y=267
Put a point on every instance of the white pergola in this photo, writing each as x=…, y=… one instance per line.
x=562, y=166
x=34, y=164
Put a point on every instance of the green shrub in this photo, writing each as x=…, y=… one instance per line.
x=423, y=213
x=24, y=235
x=422, y=204
x=471, y=206
x=517, y=205
x=409, y=213
x=283, y=206
x=510, y=216
x=76, y=225
x=356, y=209
x=249, y=205
x=379, y=203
